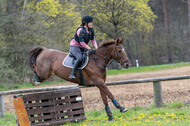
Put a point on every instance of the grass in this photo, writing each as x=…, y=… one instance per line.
x=8, y=120
x=175, y=114
x=170, y=115
x=146, y=68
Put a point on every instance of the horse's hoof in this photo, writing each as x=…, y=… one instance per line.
x=122, y=109
x=111, y=118
x=36, y=83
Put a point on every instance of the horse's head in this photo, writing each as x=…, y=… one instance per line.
x=119, y=53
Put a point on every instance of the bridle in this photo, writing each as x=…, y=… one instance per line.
x=95, y=59
x=117, y=54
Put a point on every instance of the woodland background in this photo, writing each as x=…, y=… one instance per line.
x=154, y=31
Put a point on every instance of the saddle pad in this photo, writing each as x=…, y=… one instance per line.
x=68, y=62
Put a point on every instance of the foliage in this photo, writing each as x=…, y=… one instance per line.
x=26, y=24
x=54, y=22
x=120, y=18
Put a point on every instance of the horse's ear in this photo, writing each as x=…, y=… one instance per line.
x=121, y=41
x=117, y=41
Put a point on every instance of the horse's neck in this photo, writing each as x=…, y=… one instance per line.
x=106, y=52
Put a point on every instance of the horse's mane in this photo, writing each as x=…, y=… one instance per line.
x=106, y=43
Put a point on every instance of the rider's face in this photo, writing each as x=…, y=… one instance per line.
x=90, y=24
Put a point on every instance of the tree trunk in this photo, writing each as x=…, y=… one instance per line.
x=165, y=15
x=167, y=30
x=188, y=1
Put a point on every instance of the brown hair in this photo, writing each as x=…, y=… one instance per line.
x=83, y=24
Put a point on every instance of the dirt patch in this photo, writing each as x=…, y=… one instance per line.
x=132, y=95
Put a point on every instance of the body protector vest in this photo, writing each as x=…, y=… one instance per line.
x=84, y=36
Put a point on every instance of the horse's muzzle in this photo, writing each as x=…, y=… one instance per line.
x=127, y=65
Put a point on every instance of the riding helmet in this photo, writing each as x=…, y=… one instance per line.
x=87, y=19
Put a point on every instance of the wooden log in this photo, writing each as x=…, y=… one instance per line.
x=21, y=112
x=158, y=94
x=36, y=90
x=148, y=80
x=2, y=113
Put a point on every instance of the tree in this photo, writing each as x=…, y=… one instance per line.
x=188, y=2
x=28, y=23
x=167, y=30
x=119, y=18
x=54, y=22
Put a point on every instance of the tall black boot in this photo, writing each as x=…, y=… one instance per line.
x=72, y=75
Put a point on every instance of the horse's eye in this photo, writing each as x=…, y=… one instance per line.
x=119, y=51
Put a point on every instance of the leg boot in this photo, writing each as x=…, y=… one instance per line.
x=37, y=82
x=72, y=75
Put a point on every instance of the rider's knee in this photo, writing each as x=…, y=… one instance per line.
x=80, y=59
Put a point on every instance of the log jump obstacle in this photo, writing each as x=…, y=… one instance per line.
x=49, y=108
x=63, y=104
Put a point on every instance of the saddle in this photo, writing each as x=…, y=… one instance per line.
x=69, y=62
x=70, y=59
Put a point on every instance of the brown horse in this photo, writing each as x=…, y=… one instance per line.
x=46, y=62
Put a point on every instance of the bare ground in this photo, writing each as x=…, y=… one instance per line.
x=132, y=95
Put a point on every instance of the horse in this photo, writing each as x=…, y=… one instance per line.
x=46, y=62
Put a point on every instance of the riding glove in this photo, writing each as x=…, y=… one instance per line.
x=92, y=51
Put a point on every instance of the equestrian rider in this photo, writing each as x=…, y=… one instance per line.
x=79, y=43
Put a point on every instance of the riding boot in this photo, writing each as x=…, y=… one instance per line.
x=76, y=64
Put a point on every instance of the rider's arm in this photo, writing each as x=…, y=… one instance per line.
x=94, y=44
x=93, y=39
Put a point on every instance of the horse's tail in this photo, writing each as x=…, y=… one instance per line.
x=34, y=54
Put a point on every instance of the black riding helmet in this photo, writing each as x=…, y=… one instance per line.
x=87, y=19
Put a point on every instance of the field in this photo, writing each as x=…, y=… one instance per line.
x=175, y=114
x=138, y=98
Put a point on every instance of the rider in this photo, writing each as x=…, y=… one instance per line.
x=78, y=44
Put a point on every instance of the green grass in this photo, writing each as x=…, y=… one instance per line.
x=146, y=68
x=170, y=115
x=8, y=120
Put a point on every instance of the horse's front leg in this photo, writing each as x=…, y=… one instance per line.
x=106, y=92
x=117, y=105
x=107, y=108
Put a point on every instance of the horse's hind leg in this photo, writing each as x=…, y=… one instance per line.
x=41, y=74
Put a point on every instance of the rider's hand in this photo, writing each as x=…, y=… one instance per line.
x=92, y=51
